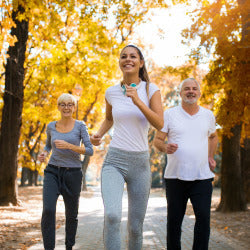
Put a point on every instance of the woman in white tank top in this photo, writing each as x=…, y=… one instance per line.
x=131, y=106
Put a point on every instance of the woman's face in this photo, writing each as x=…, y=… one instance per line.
x=67, y=108
x=130, y=62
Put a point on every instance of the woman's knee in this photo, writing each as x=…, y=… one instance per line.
x=135, y=229
x=112, y=218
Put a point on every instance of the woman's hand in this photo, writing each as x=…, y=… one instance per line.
x=61, y=144
x=132, y=92
x=96, y=139
x=42, y=156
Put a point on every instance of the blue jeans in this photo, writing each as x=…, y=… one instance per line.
x=67, y=182
x=178, y=192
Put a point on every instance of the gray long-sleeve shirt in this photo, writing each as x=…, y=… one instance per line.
x=66, y=157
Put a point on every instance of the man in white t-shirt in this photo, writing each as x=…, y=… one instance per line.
x=192, y=141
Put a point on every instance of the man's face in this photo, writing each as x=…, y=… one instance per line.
x=190, y=92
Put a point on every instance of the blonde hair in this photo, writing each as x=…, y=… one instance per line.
x=66, y=97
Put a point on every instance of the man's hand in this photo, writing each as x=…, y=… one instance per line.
x=171, y=148
x=96, y=139
x=212, y=163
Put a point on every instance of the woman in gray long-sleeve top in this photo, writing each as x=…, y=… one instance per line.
x=63, y=173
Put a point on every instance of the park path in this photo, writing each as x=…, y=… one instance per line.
x=90, y=227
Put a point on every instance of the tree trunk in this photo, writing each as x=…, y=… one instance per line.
x=30, y=177
x=244, y=51
x=24, y=176
x=232, y=195
x=36, y=178
x=84, y=170
x=245, y=165
x=245, y=31
x=12, y=111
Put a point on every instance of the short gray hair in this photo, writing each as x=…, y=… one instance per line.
x=66, y=97
x=187, y=80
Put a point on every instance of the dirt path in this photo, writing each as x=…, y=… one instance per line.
x=20, y=226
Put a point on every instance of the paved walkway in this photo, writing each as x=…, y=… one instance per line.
x=89, y=235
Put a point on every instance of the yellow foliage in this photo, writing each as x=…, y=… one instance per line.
x=219, y=27
x=69, y=43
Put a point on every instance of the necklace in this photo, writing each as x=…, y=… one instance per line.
x=124, y=90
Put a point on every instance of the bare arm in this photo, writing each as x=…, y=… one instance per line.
x=159, y=143
x=105, y=127
x=154, y=114
x=212, y=145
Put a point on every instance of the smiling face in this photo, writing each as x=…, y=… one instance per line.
x=67, y=108
x=190, y=92
x=130, y=61
x=66, y=105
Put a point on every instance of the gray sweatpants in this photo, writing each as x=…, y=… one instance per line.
x=133, y=168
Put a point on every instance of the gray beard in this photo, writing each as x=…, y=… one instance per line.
x=186, y=100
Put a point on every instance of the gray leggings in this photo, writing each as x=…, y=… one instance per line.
x=133, y=168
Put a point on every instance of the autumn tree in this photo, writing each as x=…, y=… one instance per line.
x=222, y=27
x=69, y=43
x=12, y=109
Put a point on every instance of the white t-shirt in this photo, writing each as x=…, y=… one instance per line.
x=190, y=132
x=130, y=124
